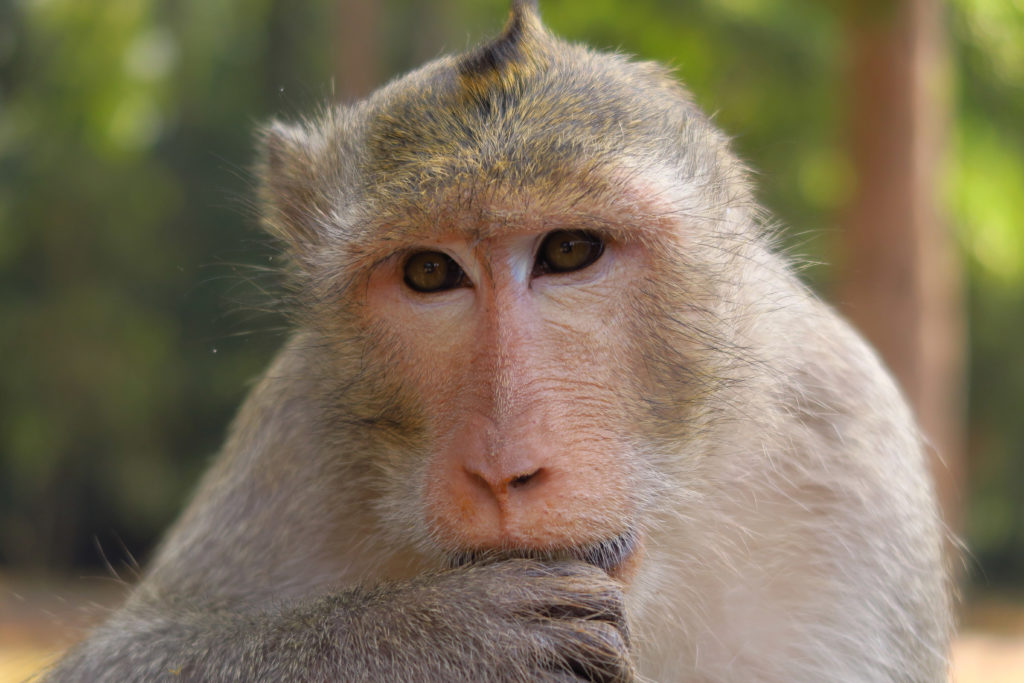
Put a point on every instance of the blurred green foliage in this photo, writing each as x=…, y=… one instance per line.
x=134, y=284
x=986, y=190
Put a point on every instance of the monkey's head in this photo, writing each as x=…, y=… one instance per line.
x=510, y=267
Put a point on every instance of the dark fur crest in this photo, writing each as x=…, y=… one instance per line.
x=505, y=50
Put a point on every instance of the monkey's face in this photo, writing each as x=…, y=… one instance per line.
x=512, y=335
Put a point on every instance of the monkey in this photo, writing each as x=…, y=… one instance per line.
x=555, y=406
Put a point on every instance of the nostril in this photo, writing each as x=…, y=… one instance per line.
x=479, y=480
x=520, y=480
x=524, y=479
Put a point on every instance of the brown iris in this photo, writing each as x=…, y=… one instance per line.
x=563, y=251
x=433, y=271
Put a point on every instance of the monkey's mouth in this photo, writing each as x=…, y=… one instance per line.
x=611, y=555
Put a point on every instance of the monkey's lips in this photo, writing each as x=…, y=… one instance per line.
x=617, y=556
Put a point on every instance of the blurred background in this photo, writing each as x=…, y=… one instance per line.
x=135, y=286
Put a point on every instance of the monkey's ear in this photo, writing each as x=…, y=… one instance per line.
x=288, y=167
x=520, y=6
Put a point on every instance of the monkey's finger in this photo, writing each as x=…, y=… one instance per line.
x=607, y=606
x=592, y=651
x=551, y=568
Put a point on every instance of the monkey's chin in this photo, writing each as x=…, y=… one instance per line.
x=619, y=556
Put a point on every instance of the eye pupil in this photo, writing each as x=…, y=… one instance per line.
x=563, y=251
x=432, y=271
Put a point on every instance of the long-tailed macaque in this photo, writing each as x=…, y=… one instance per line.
x=553, y=409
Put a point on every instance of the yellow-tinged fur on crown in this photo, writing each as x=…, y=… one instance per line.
x=515, y=116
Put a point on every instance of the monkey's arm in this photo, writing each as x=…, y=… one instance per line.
x=513, y=620
x=260, y=579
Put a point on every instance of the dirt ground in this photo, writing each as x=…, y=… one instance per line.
x=39, y=619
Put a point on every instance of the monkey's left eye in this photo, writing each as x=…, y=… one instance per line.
x=563, y=251
x=432, y=271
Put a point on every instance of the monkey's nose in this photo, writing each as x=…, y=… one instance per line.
x=499, y=484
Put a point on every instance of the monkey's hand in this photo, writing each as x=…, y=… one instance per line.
x=514, y=620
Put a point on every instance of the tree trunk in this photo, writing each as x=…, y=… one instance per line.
x=357, y=57
x=900, y=281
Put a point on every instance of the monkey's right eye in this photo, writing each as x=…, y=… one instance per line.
x=432, y=271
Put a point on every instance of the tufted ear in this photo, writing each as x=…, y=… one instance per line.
x=292, y=205
x=521, y=6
